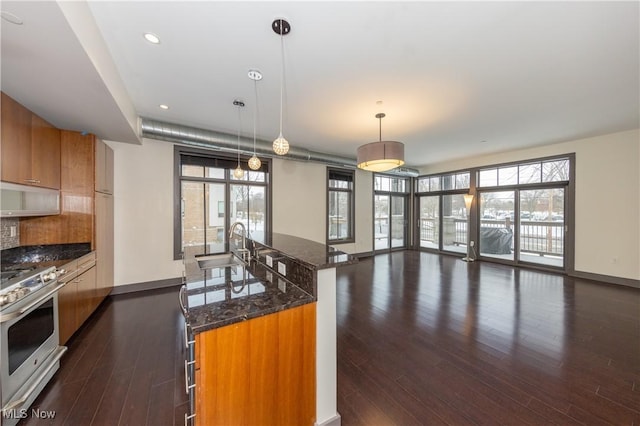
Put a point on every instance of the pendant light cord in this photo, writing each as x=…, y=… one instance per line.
x=255, y=114
x=281, y=71
x=239, y=126
x=380, y=134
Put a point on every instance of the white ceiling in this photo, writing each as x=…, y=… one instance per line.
x=455, y=79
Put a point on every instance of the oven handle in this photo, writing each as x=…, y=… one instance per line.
x=181, y=300
x=58, y=352
x=16, y=314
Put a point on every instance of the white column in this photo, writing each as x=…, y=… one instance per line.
x=326, y=350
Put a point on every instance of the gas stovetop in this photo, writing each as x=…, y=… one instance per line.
x=16, y=284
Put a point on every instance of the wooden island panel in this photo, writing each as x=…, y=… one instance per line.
x=258, y=372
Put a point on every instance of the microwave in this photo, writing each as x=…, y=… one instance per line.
x=23, y=200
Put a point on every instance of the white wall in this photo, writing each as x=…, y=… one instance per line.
x=607, y=198
x=299, y=199
x=143, y=198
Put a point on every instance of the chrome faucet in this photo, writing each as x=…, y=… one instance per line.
x=245, y=253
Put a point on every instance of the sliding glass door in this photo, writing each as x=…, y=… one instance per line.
x=389, y=213
x=429, y=221
x=542, y=226
x=497, y=213
x=529, y=230
x=390, y=222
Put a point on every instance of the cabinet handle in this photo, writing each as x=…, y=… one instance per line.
x=187, y=385
x=32, y=180
x=188, y=417
x=187, y=342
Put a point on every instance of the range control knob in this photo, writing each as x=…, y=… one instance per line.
x=50, y=276
x=11, y=296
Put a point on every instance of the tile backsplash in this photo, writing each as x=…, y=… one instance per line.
x=9, y=241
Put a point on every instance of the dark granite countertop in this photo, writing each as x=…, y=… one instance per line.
x=42, y=255
x=222, y=296
x=316, y=255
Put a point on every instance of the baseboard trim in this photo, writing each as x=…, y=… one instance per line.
x=627, y=282
x=148, y=285
x=333, y=421
x=363, y=255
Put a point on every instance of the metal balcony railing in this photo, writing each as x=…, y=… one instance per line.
x=538, y=237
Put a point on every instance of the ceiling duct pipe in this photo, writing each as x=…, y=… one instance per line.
x=202, y=138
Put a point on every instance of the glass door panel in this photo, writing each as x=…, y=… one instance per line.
x=454, y=223
x=203, y=215
x=496, y=224
x=541, y=238
x=398, y=221
x=381, y=222
x=429, y=221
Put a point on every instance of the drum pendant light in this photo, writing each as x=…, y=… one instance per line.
x=382, y=155
x=255, y=75
x=282, y=27
x=238, y=173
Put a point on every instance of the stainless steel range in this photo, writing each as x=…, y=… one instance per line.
x=29, y=344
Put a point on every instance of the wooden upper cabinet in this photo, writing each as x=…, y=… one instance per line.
x=16, y=141
x=45, y=153
x=104, y=168
x=78, y=163
x=30, y=147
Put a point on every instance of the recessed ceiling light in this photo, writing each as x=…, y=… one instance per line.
x=10, y=17
x=163, y=106
x=152, y=38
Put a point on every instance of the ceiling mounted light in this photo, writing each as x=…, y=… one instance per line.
x=238, y=173
x=163, y=106
x=382, y=155
x=152, y=38
x=255, y=75
x=282, y=27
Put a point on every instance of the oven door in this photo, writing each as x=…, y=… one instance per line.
x=29, y=348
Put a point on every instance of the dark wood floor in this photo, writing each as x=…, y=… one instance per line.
x=422, y=339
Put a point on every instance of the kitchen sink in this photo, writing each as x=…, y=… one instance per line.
x=221, y=260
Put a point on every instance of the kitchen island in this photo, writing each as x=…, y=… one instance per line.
x=264, y=335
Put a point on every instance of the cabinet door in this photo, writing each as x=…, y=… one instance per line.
x=15, y=142
x=67, y=311
x=104, y=168
x=45, y=153
x=104, y=243
x=77, y=163
x=86, y=282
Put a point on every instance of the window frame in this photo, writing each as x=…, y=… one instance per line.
x=228, y=162
x=352, y=204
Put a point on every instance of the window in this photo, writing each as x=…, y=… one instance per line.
x=390, y=184
x=340, y=200
x=209, y=199
x=446, y=182
x=555, y=170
